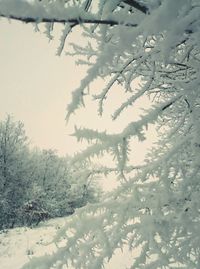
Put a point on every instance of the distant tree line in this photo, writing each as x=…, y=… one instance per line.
x=36, y=184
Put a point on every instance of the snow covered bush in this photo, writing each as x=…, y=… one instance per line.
x=150, y=48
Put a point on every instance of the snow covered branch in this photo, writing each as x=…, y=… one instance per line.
x=137, y=5
x=36, y=12
x=76, y=20
x=155, y=208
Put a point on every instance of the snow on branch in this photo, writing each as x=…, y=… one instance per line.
x=155, y=209
x=136, y=4
x=29, y=12
x=118, y=144
x=77, y=20
x=136, y=96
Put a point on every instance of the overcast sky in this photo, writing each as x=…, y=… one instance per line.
x=36, y=85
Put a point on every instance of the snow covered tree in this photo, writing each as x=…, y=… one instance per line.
x=151, y=48
x=36, y=185
x=13, y=170
x=56, y=187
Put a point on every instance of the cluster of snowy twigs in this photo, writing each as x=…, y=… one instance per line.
x=156, y=208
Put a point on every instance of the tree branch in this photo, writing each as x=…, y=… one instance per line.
x=137, y=6
x=75, y=20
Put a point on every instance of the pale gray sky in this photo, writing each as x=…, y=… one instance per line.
x=36, y=86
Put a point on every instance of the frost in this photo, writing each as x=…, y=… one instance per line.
x=155, y=208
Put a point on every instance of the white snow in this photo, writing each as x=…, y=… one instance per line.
x=18, y=245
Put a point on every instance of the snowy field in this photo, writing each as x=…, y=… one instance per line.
x=18, y=245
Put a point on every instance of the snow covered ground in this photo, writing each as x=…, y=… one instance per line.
x=18, y=245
